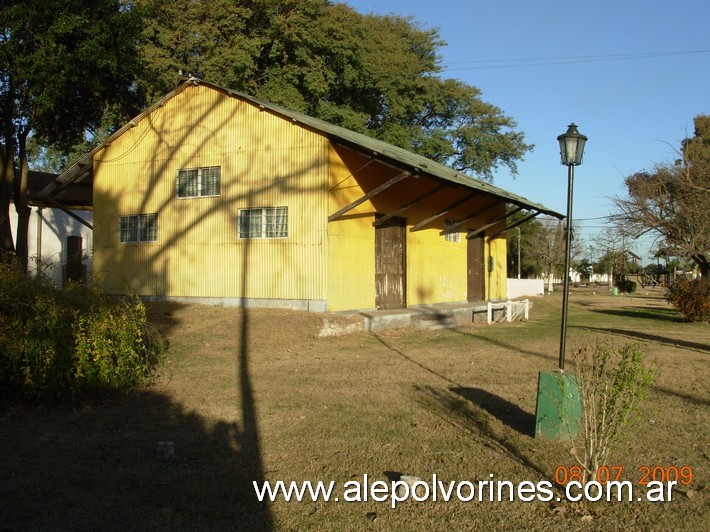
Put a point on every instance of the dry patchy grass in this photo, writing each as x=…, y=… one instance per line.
x=254, y=395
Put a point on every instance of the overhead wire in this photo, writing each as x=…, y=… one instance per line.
x=482, y=64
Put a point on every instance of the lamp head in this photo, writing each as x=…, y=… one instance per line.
x=572, y=146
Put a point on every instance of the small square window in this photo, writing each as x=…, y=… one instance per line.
x=451, y=236
x=138, y=228
x=198, y=182
x=263, y=222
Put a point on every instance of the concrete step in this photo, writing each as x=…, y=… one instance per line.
x=435, y=320
x=438, y=316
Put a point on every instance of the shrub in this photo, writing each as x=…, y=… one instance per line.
x=691, y=297
x=613, y=382
x=69, y=344
x=112, y=351
x=626, y=286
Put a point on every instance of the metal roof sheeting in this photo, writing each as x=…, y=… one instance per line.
x=372, y=147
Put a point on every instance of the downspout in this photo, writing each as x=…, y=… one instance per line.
x=487, y=266
x=38, y=258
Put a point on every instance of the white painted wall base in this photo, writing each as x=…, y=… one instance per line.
x=525, y=287
x=49, y=253
x=310, y=305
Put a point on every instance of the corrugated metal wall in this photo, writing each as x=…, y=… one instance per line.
x=351, y=239
x=497, y=280
x=265, y=162
x=436, y=268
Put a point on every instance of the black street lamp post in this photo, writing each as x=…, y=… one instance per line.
x=571, y=152
x=558, y=412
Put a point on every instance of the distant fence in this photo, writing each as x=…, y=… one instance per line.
x=502, y=311
x=525, y=287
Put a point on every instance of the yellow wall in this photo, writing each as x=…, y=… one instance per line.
x=497, y=281
x=436, y=269
x=265, y=162
x=351, y=239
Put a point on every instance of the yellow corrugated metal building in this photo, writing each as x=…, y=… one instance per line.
x=213, y=195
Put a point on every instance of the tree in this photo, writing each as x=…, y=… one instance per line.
x=530, y=266
x=542, y=248
x=548, y=250
x=673, y=200
x=612, y=244
x=378, y=75
x=62, y=62
x=585, y=269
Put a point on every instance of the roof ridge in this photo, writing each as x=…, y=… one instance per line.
x=411, y=160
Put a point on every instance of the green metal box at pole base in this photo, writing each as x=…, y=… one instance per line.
x=559, y=409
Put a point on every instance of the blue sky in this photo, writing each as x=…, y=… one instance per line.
x=631, y=74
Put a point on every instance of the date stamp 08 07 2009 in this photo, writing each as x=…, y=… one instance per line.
x=683, y=475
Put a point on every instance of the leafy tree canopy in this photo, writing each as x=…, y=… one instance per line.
x=71, y=66
x=62, y=62
x=374, y=74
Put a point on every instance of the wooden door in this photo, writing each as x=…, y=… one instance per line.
x=390, y=264
x=476, y=279
x=75, y=254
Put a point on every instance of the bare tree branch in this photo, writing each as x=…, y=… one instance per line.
x=673, y=200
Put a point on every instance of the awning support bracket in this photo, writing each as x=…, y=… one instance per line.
x=66, y=211
x=443, y=212
x=519, y=222
x=454, y=227
x=374, y=192
x=408, y=205
x=493, y=221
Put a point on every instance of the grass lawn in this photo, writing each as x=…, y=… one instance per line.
x=256, y=395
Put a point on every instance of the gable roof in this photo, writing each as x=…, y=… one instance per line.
x=82, y=170
x=631, y=254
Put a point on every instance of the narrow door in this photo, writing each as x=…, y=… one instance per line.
x=390, y=264
x=75, y=251
x=476, y=278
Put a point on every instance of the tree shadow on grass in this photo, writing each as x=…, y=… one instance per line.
x=470, y=408
x=636, y=335
x=510, y=414
x=461, y=407
x=412, y=361
x=651, y=313
x=684, y=396
x=506, y=345
x=100, y=468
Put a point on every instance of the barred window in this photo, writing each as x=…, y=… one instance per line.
x=263, y=222
x=451, y=236
x=138, y=228
x=198, y=182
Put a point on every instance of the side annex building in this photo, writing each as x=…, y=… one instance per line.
x=214, y=196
